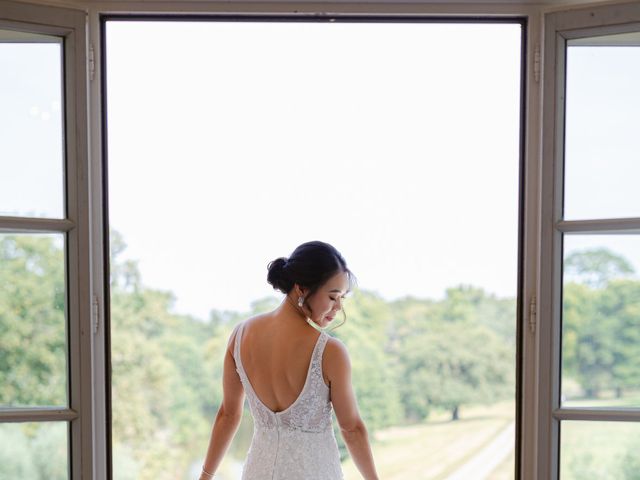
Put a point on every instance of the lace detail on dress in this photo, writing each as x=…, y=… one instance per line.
x=298, y=442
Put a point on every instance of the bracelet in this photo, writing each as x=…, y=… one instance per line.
x=207, y=473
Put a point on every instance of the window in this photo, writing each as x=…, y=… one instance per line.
x=256, y=136
x=45, y=389
x=592, y=245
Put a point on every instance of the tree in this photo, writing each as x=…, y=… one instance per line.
x=619, y=304
x=601, y=323
x=596, y=267
x=454, y=364
x=32, y=321
x=374, y=373
x=33, y=353
x=161, y=403
x=454, y=352
x=588, y=340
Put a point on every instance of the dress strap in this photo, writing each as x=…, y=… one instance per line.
x=319, y=350
x=236, y=343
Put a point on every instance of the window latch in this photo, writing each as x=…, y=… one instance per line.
x=532, y=314
x=92, y=63
x=95, y=315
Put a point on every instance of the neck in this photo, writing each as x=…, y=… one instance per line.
x=290, y=309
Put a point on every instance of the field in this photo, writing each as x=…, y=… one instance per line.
x=438, y=448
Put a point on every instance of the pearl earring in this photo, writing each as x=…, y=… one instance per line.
x=300, y=301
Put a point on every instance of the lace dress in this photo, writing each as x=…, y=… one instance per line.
x=297, y=443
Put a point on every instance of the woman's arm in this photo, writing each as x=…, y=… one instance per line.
x=229, y=414
x=337, y=367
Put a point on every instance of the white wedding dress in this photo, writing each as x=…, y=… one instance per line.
x=297, y=443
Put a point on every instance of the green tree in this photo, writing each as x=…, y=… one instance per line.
x=601, y=320
x=454, y=352
x=619, y=307
x=588, y=340
x=161, y=387
x=32, y=321
x=596, y=267
x=454, y=364
x=374, y=371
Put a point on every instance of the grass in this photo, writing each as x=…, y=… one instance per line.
x=599, y=450
x=436, y=448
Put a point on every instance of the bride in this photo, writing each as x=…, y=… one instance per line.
x=293, y=374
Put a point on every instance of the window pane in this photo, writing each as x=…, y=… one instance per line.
x=599, y=450
x=33, y=367
x=34, y=451
x=601, y=321
x=31, y=126
x=378, y=138
x=602, y=158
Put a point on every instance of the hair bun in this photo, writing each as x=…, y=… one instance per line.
x=277, y=276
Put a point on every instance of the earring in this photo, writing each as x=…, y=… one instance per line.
x=300, y=301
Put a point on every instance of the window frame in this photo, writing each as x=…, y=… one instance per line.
x=68, y=24
x=559, y=27
x=527, y=213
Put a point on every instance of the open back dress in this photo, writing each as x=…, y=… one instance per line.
x=297, y=443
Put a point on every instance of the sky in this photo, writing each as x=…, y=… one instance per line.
x=232, y=143
x=31, y=152
x=258, y=137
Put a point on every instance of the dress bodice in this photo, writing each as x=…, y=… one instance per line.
x=297, y=442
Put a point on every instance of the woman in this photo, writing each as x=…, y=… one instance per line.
x=293, y=376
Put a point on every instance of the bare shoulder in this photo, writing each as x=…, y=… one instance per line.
x=258, y=319
x=247, y=322
x=335, y=360
x=335, y=346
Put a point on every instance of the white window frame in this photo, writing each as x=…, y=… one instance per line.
x=559, y=27
x=530, y=84
x=70, y=25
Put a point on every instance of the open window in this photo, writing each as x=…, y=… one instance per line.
x=590, y=283
x=45, y=322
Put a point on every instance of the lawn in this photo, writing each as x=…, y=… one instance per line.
x=436, y=448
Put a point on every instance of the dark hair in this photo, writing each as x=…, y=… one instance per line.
x=310, y=266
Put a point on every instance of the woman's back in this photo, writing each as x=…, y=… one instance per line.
x=276, y=356
x=297, y=441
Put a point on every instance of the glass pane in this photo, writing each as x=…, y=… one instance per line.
x=31, y=126
x=602, y=157
x=297, y=131
x=33, y=368
x=601, y=321
x=34, y=451
x=599, y=451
